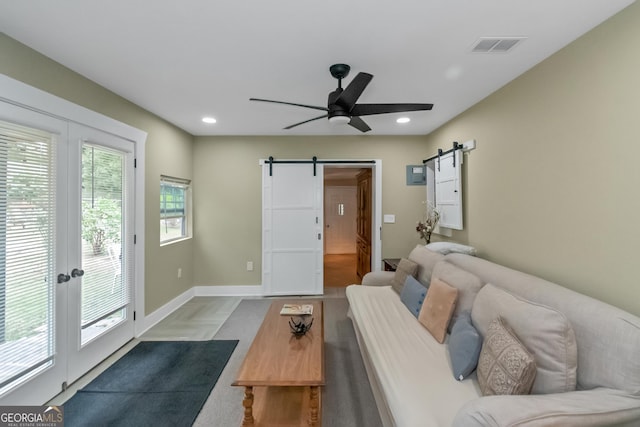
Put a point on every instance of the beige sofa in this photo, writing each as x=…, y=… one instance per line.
x=587, y=352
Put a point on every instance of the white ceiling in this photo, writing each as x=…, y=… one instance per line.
x=183, y=60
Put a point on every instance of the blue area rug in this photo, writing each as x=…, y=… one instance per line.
x=157, y=383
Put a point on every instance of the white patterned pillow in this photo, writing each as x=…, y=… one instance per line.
x=505, y=366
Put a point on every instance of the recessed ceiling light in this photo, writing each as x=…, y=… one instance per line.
x=403, y=120
x=209, y=120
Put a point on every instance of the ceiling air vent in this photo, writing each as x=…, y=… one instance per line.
x=495, y=45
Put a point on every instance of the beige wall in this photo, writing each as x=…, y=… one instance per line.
x=168, y=151
x=551, y=188
x=227, y=196
x=554, y=185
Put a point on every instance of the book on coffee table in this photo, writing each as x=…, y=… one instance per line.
x=296, y=309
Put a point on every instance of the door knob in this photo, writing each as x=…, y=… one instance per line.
x=63, y=278
x=76, y=272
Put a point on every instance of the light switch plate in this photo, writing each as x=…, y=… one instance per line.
x=389, y=219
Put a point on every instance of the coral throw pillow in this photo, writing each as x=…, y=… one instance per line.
x=437, y=308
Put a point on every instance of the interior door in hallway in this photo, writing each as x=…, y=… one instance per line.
x=340, y=220
x=292, y=229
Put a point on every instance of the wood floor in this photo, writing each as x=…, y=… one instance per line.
x=340, y=270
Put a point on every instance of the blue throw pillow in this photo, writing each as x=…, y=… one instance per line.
x=413, y=294
x=465, y=344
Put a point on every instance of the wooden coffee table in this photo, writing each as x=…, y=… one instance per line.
x=282, y=374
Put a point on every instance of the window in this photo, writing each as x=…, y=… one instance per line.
x=175, y=202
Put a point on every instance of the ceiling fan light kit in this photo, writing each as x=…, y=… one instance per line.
x=342, y=106
x=339, y=120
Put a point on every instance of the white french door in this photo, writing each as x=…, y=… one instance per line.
x=65, y=240
x=292, y=224
x=100, y=248
x=33, y=308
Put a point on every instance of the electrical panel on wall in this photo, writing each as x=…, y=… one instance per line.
x=416, y=175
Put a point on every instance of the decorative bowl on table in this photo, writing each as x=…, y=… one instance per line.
x=300, y=325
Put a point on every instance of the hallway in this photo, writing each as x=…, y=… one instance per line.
x=340, y=270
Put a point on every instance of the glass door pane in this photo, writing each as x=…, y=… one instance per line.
x=27, y=252
x=104, y=292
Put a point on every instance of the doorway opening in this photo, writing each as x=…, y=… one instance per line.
x=347, y=220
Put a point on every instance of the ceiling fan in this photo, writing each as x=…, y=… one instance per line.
x=341, y=105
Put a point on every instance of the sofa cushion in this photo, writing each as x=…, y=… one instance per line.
x=405, y=268
x=413, y=294
x=426, y=260
x=545, y=332
x=465, y=344
x=404, y=361
x=468, y=285
x=505, y=366
x=437, y=308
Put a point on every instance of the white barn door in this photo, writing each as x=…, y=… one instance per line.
x=292, y=226
x=448, y=189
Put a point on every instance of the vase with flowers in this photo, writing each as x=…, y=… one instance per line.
x=426, y=226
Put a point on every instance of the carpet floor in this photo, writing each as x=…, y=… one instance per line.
x=347, y=399
x=154, y=384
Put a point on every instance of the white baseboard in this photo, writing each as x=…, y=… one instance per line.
x=144, y=323
x=215, y=291
x=148, y=321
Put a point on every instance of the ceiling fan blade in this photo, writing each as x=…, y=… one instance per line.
x=359, y=124
x=351, y=93
x=290, y=103
x=371, y=109
x=307, y=121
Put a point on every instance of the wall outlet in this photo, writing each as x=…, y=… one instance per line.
x=179, y=273
x=249, y=265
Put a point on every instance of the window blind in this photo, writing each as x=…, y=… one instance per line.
x=174, y=194
x=27, y=252
x=173, y=197
x=105, y=290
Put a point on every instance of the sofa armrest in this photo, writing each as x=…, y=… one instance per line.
x=378, y=278
x=597, y=407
